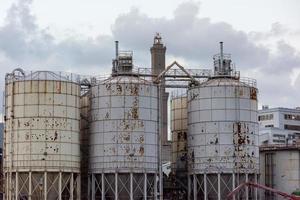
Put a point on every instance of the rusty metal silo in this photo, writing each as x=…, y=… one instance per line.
x=223, y=134
x=124, y=138
x=42, y=156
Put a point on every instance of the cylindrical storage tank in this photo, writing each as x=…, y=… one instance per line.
x=42, y=156
x=223, y=137
x=124, y=138
x=179, y=133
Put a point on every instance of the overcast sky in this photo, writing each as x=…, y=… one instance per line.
x=74, y=35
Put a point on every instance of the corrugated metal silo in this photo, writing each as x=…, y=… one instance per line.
x=42, y=156
x=223, y=135
x=124, y=138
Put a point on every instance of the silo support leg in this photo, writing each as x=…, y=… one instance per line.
x=247, y=188
x=102, y=186
x=45, y=186
x=131, y=186
x=29, y=186
x=233, y=184
x=17, y=186
x=116, y=187
x=59, y=186
x=93, y=187
x=78, y=189
x=255, y=189
x=205, y=187
x=219, y=187
x=195, y=186
x=145, y=186
x=72, y=186
x=155, y=186
x=189, y=187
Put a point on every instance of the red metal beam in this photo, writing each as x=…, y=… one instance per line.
x=250, y=184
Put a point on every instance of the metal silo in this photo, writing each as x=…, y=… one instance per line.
x=42, y=156
x=124, y=135
x=223, y=134
x=179, y=133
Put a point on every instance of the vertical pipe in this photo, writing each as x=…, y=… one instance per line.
x=93, y=187
x=205, y=186
x=219, y=186
x=131, y=186
x=45, y=186
x=59, y=186
x=102, y=186
x=72, y=187
x=30, y=186
x=145, y=186
x=195, y=186
x=247, y=188
x=117, y=49
x=17, y=186
x=221, y=57
x=116, y=186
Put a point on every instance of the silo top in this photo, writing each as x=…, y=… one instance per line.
x=127, y=79
x=246, y=82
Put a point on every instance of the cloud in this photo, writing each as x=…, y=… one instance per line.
x=196, y=39
x=187, y=37
x=24, y=43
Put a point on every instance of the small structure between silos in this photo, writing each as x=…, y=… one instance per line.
x=123, y=134
x=222, y=134
x=42, y=155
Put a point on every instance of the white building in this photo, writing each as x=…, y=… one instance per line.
x=279, y=125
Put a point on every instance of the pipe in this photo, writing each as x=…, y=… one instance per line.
x=221, y=57
x=117, y=49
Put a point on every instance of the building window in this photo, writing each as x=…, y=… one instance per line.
x=292, y=117
x=265, y=117
x=292, y=127
x=269, y=125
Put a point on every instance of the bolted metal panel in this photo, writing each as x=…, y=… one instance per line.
x=123, y=138
x=124, y=126
x=44, y=129
x=179, y=133
x=41, y=134
x=222, y=130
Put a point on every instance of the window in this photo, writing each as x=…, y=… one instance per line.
x=292, y=117
x=265, y=117
x=292, y=127
x=269, y=125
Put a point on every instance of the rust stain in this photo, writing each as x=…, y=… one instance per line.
x=142, y=151
x=253, y=93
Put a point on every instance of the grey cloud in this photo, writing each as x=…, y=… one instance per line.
x=186, y=35
x=25, y=43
